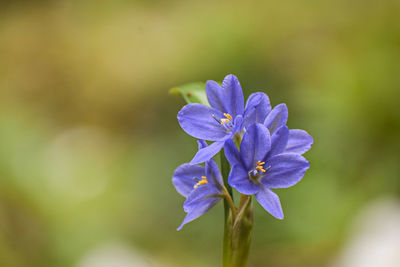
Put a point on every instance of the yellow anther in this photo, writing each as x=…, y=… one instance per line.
x=260, y=168
x=201, y=182
x=228, y=116
x=259, y=163
x=223, y=121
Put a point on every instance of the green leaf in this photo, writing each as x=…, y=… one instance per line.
x=191, y=92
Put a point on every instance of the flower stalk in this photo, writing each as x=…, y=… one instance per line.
x=238, y=225
x=228, y=216
x=242, y=230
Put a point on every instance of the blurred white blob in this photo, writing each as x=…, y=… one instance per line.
x=375, y=239
x=116, y=255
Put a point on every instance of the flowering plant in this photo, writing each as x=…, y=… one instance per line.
x=259, y=154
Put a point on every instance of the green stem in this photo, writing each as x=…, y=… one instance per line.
x=238, y=223
x=225, y=168
x=230, y=203
x=237, y=235
x=226, y=253
x=241, y=235
x=245, y=201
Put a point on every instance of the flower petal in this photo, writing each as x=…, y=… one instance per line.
x=201, y=144
x=232, y=153
x=198, y=210
x=237, y=124
x=299, y=141
x=276, y=118
x=270, y=202
x=214, y=96
x=197, y=120
x=200, y=194
x=207, y=152
x=213, y=174
x=285, y=170
x=255, y=145
x=233, y=95
x=257, y=108
x=279, y=140
x=183, y=178
x=239, y=179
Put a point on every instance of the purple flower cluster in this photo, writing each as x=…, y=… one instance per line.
x=267, y=154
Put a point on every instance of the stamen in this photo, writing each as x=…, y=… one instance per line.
x=223, y=121
x=228, y=116
x=260, y=168
x=201, y=182
x=215, y=118
x=256, y=175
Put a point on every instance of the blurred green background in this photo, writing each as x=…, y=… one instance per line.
x=89, y=137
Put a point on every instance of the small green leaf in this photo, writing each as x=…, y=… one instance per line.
x=192, y=92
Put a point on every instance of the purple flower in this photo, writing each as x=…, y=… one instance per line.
x=226, y=117
x=202, y=187
x=263, y=164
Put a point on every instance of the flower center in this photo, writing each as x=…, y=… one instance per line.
x=201, y=182
x=260, y=166
x=255, y=174
x=227, y=119
x=226, y=122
